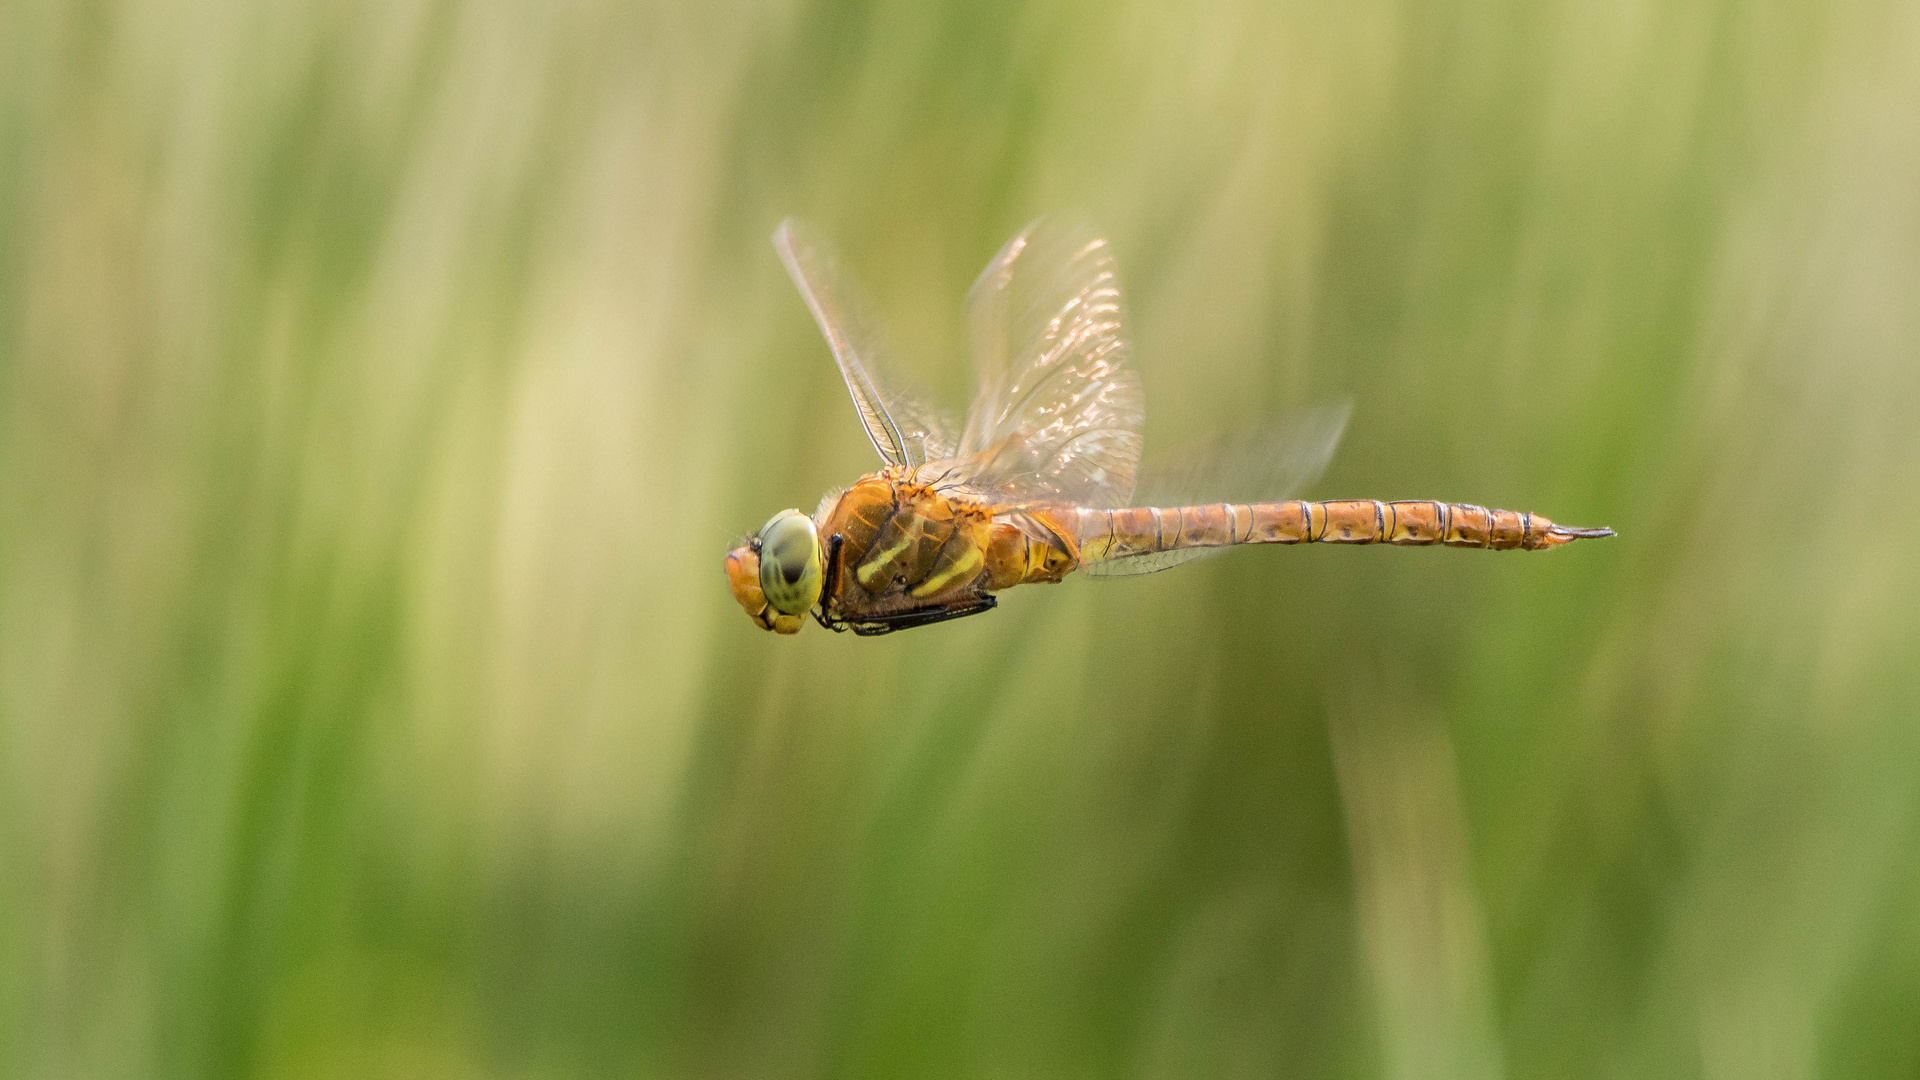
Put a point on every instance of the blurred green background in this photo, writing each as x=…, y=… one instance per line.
x=381, y=383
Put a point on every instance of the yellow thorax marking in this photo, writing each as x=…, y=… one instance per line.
x=906, y=529
x=967, y=563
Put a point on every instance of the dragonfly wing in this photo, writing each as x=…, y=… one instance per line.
x=902, y=429
x=1135, y=565
x=1271, y=463
x=1058, y=413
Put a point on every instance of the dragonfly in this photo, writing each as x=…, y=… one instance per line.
x=1043, y=477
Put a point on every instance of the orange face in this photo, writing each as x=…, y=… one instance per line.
x=743, y=577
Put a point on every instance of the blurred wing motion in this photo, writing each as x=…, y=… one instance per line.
x=1262, y=464
x=904, y=431
x=1058, y=413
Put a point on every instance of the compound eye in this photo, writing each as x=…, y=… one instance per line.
x=790, y=569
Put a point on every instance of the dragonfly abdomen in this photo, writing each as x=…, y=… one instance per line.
x=1107, y=535
x=1422, y=522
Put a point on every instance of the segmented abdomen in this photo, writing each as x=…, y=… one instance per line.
x=1107, y=535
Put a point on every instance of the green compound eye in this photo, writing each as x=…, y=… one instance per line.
x=790, y=562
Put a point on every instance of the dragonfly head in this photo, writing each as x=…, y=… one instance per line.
x=777, y=574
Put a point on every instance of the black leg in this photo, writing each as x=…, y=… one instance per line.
x=831, y=578
x=907, y=620
x=884, y=624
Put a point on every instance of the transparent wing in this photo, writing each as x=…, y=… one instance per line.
x=1135, y=565
x=1271, y=463
x=902, y=429
x=1058, y=412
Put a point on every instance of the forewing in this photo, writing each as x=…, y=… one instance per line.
x=1271, y=463
x=902, y=429
x=1058, y=412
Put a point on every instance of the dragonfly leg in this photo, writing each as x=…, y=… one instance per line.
x=907, y=620
x=884, y=624
x=828, y=581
